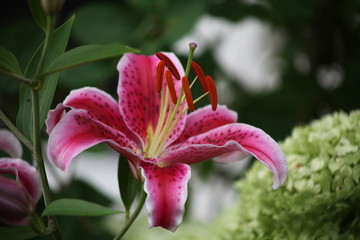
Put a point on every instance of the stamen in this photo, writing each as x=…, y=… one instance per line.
x=170, y=84
x=187, y=92
x=200, y=74
x=213, y=93
x=160, y=75
x=169, y=64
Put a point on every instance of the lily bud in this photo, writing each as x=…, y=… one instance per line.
x=19, y=191
x=52, y=7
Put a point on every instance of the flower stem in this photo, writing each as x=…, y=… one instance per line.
x=37, y=146
x=40, y=166
x=133, y=216
x=37, y=152
x=16, y=131
x=50, y=22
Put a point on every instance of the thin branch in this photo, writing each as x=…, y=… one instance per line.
x=133, y=216
x=16, y=131
x=21, y=78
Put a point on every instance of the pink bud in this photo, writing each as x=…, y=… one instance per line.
x=19, y=191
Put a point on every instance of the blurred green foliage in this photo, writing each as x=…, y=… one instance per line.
x=325, y=32
x=83, y=227
x=91, y=228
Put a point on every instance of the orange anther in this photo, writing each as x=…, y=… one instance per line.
x=170, y=84
x=159, y=75
x=200, y=74
x=212, y=91
x=169, y=64
x=187, y=92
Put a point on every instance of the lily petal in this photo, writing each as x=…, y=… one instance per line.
x=100, y=106
x=167, y=192
x=11, y=189
x=139, y=100
x=25, y=174
x=18, y=197
x=78, y=131
x=229, y=138
x=15, y=204
x=205, y=119
x=54, y=116
x=10, y=144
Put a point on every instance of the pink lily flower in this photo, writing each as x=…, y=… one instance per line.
x=149, y=125
x=19, y=184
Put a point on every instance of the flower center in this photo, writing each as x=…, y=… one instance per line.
x=171, y=112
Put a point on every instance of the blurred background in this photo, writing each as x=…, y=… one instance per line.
x=278, y=63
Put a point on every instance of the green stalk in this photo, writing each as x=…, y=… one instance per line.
x=50, y=23
x=37, y=146
x=40, y=166
x=37, y=153
x=135, y=214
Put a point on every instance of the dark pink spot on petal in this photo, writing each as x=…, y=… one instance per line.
x=167, y=193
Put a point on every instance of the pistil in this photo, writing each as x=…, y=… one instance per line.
x=172, y=111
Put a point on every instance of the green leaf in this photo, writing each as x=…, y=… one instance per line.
x=144, y=4
x=57, y=46
x=76, y=207
x=293, y=10
x=176, y=22
x=110, y=22
x=16, y=233
x=38, y=13
x=128, y=185
x=89, y=75
x=86, y=54
x=8, y=62
x=70, y=226
x=237, y=10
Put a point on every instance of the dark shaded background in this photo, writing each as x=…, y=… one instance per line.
x=327, y=32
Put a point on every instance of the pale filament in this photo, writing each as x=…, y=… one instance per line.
x=170, y=113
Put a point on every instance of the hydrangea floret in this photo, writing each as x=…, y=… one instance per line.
x=319, y=200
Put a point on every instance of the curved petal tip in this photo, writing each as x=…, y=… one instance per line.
x=167, y=193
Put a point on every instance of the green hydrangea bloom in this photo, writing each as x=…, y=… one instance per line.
x=320, y=198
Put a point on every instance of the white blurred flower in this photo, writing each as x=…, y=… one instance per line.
x=245, y=51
